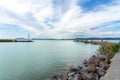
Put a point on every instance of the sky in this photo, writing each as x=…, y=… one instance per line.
x=59, y=18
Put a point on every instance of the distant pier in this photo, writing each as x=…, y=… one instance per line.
x=94, y=39
x=17, y=40
x=97, y=38
x=14, y=40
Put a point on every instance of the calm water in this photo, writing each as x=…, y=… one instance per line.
x=41, y=59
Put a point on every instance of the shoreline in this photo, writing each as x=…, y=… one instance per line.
x=92, y=69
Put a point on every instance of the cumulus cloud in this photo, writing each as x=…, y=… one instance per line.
x=60, y=18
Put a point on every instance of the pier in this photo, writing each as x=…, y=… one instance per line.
x=14, y=40
x=17, y=40
x=94, y=39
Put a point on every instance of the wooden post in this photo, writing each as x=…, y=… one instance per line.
x=91, y=41
x=101, y=40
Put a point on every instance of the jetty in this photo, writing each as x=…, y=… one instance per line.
x=97, y=38
x=17, y=40
x=14, y=40
x=94, y=39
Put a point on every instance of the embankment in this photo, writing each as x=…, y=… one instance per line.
x=96, y=66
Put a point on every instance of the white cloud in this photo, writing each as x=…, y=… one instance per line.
x=64, y=23
x=14, y=6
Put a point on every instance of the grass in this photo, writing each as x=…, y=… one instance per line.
x=109, y=48
x=106, y=48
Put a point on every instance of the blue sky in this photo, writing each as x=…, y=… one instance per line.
x=59, y=18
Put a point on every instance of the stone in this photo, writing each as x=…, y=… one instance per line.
x=71, y=78
x=54, y=77
x=73, y=70
x=101, y=72
x=96, y=62
x=81, y=69
x=104, y=65
x=85, y=62
x=66, y=77
x=93, y=76
x=107, y=60
x=102, y=57
x=81, y=76
x=91, y=68
x=71, y=74
x=57, y=77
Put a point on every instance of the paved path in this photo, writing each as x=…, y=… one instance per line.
x=113, y=73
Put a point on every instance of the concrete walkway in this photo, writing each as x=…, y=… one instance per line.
x=113, y=73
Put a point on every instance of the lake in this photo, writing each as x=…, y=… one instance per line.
x=41, y=59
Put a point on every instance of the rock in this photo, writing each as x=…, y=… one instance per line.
x=93, y=56
x=84, y=77
x=104, y=65
x=71, y=78
x=60, y=77
x=76, y=77
x=54, y=77
x=94, y=76
x=85, y=62
x=57, y=77
x=71, y=74
x=91, y=68
x=101, y=57
x=73, y=70
x=96, y=62
x=109, y=56
x=81, y=69
x=107, y=60
x=66, y=77
x=101, y=72
x=81, y=76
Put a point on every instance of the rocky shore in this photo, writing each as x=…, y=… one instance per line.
x=95, y=67
x=92, y=69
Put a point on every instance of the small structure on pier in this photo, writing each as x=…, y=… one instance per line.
x=29, y=38
x=23, y=39
x=17, y=39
